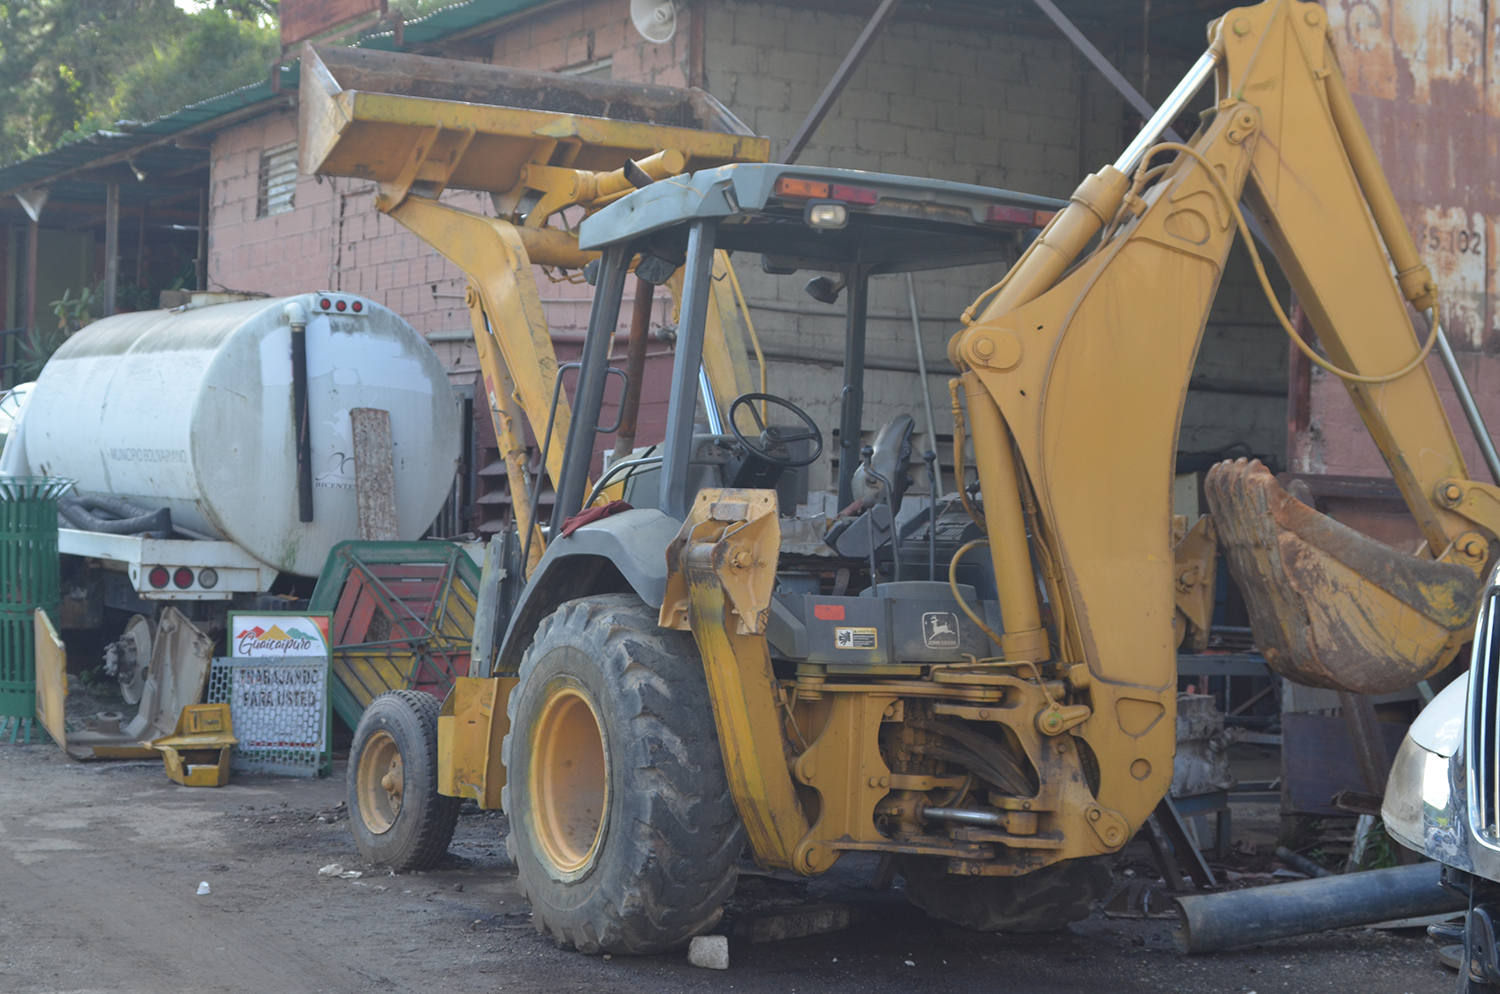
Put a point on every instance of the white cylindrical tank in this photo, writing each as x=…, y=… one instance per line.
x=191, y=409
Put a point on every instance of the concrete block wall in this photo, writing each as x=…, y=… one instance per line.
x=1016, y=111
x=978, y=106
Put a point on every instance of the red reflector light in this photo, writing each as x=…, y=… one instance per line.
x=158, y=577
x=828, y=612
x=788, y=186
x=357, y=307
x=325, y=303
x=340, y=306
x=862, y=195
x=999, y=214
x=183, y=577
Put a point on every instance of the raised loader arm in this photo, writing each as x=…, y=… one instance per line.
x=1079, y=365
x=539, y=144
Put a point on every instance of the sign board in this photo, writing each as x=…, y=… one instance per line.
x=275, y=681
x=277, y=634
x=303, y=19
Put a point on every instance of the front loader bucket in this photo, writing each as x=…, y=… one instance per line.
x=1331, y=607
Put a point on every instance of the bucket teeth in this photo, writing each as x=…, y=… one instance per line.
x=1331, y=607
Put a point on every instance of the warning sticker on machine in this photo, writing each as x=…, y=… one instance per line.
x=854, y=638
x=940, y=630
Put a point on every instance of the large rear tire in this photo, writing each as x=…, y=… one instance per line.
x=621, y=824
x=398, y=818
x=1041, y=901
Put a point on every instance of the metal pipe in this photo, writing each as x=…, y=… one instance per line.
x=635, y=368
x=965, y=816
x=201, y=261
x=851, y=416
x=296, y=316
x=710, y=402
x=1301, y=863
x=686, y=367
x=1241, y=917
x=1168, y=112
x=588, y=396
x=916, y=331
x=835, y=87
x=1465, y=398
x=1096, y=58
x=33, y=240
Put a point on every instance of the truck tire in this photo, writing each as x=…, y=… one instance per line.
x=398, y=818
x=1041, y=901
x=622, y=828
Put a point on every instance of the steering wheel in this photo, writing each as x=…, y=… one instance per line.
x=773, y=434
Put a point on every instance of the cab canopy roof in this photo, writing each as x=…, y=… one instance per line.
x=893, y=223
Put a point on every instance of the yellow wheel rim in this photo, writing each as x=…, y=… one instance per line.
x=381, y=783
x=569, y=780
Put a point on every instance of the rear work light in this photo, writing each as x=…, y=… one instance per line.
x=158, y=577
x=826, y=214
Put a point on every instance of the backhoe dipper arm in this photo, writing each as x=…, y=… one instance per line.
x=1082, y=365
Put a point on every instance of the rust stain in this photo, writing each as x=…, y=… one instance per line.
x=1426, y=78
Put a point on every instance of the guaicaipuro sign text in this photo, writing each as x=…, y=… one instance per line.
x=278, y=635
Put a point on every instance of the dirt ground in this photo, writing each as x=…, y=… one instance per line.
x=100, y=863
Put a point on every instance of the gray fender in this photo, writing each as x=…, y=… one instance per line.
x=626, y=552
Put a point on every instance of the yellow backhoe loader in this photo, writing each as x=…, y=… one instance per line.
x=982, y=690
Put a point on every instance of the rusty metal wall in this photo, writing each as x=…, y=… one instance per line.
x=1426, y=77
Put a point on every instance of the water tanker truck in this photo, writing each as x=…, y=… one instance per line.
x=213, y=456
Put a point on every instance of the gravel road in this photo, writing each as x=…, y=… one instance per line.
x=100, y=864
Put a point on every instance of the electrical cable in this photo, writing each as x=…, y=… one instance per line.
x=1265, y=281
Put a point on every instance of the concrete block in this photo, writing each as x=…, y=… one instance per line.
x=884, y=77
x=798, y=67
x=861, y=104
x=879, y=136
x=913, y=111
x=959, y=119
x=976, y=151
x=937, y=85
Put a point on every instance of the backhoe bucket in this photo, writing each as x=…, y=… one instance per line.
x=1331, y=607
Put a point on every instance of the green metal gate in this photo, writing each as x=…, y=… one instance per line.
x=28, y=580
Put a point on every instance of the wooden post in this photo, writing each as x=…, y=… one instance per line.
x=111, y=245
x=202, y=259
x=374, y=474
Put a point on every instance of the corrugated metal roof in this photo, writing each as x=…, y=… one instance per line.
x=449, y=21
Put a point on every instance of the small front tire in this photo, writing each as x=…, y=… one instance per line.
x=398, y=818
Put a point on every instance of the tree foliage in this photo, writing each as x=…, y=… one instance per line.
x=72, y=67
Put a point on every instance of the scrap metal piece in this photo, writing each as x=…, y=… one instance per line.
x=1331, y=607
x=51, y=678
x=181, y=655
x=197, y=753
